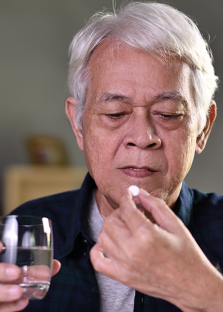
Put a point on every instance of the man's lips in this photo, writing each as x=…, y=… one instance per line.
x=138, y=172
x=138, y=168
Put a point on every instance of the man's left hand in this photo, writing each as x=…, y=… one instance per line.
x=159, y=259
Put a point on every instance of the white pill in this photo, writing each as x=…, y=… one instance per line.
x=134, y=190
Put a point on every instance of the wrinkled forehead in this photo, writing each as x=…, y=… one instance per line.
x=115, y=58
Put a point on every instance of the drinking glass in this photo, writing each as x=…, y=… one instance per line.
x=28, y=242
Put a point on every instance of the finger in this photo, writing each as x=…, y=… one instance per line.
x=18, y=305
x=161, y=213
x=129, y=213
x=115, y=237
x=106, y=240
x=10, y=293
x=56, y=267
x=100, y=262
x=96, y=254
x=9, y=272
x=38, y=272
x=115, y=223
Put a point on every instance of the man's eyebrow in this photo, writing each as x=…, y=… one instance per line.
x=176, y=96
x=109, y=97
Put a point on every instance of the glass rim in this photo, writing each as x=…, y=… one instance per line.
x=25, y=220
x=24, y=216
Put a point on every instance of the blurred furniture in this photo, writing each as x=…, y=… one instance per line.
x=46, y=150
x=23, y=183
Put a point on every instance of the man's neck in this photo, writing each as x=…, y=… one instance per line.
x=104, y=205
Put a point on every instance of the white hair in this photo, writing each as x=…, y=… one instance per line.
x=156, y=28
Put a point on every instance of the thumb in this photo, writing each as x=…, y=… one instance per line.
x=56, y=267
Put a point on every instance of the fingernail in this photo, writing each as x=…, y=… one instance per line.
x=14, y=291
x=11, y=271
x=134, y=190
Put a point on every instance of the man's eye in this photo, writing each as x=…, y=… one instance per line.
x=170, y=116
x=115, y=116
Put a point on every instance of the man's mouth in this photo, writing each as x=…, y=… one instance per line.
x=141, y=169
x=138, y=172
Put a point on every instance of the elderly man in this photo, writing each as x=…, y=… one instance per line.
x=142, y=86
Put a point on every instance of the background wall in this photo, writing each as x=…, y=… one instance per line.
x=34, y=39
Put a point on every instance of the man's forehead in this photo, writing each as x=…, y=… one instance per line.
x=104, y=59
x=111, y=48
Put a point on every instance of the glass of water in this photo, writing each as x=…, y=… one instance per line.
x=28, y=242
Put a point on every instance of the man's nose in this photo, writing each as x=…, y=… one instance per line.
x=142, y=134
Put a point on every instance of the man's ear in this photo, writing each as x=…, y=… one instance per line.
x=203, y=136
x=70, y=107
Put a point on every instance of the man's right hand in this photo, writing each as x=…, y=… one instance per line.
x=11, y=295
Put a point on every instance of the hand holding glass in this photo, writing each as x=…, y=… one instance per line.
x=28, y=242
